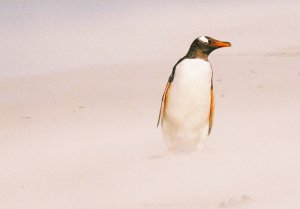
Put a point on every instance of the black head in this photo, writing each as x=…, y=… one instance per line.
x=204, y=45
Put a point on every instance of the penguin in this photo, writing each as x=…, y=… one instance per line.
x=187, y=106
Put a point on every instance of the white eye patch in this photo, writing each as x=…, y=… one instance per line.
x=203, y=39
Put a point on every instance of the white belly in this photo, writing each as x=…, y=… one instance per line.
x=186, y=118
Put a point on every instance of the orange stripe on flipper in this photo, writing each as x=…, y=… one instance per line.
x=212, y=109
x=164, y=100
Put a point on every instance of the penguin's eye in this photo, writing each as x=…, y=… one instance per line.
x=203, y=40
x=205, y=43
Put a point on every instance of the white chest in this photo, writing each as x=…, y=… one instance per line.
x=192, y=82
x=189, y=98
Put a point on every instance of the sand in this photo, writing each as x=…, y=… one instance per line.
x=78, y=126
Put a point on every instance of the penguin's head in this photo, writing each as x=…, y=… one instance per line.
x=207, y=44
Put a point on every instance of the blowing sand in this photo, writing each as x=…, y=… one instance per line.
x=84, y=136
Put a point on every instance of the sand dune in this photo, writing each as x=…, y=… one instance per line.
x=81, y=132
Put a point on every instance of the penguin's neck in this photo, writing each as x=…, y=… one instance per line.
x=196, y=53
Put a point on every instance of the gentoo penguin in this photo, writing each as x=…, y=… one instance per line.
x=187, y=105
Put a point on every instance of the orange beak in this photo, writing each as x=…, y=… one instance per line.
x=218, y=44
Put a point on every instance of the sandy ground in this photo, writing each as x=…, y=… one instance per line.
x=84, y=136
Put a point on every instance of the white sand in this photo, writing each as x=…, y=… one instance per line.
x=78, y=131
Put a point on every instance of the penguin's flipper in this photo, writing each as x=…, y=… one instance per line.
x=212, y=109
x=163, y=102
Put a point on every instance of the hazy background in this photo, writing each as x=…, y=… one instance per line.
x=40, y=36
x=80, y=90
